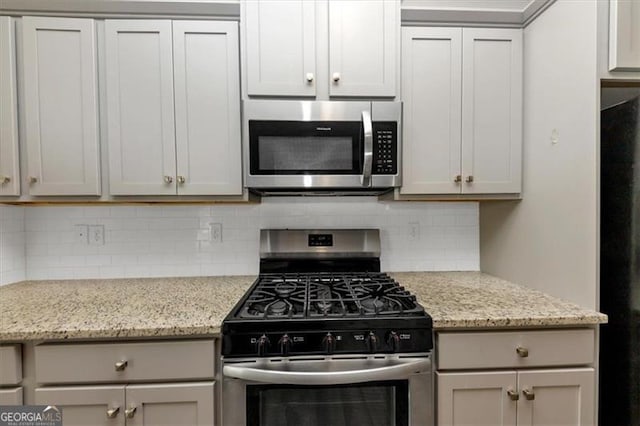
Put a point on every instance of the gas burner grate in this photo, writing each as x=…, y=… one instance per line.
x=327, y=295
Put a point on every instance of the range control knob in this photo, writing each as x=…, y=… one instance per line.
x=329, y=343
x=263, y=345
x=285, y=344
x=372, y=342
x=393, y=341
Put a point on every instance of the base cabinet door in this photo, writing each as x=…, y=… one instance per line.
x=11, y=396
x=187, y=404
x=86, y=405
x=556, y=397
x=481, y=398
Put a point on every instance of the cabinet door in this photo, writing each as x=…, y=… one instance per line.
x=9, y=172
x=86, y=405
x=491, y=111
x=557, y=397
x=431, y=96
x=207, y=108
x=186, y=404
x=11, y=396
x=363, y=38
x=476, y=398
x=280, y=46
x=60, y=104
x=140, y=119
x=624, y=35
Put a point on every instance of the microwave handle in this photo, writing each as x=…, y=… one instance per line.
x=368, y=149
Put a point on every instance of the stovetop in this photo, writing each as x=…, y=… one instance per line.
x=327, y=295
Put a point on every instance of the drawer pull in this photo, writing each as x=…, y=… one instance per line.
x=528, y=393
x=130, y=412
x=513, y=395
x=523, y=352
x=121, y=365
x=113, y=412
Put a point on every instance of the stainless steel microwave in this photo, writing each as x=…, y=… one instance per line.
x=322, y=147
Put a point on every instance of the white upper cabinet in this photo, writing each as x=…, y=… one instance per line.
x=159, y=145
x=324, y=48
x=60, y=105
x=9, y=171
x=462, y=115
x=363, y=37
x=207, y=107
x=140, y=116
x=492, y=111
x=281, y=47
x=432, y=104
x=624, y=35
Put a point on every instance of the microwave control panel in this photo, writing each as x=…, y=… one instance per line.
x=385, y=148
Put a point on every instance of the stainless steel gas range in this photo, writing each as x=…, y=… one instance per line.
x=324, y=338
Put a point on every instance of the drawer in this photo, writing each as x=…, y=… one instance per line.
x=12, y=396
x=10, y=365
x=125, y=362
x=473, y=350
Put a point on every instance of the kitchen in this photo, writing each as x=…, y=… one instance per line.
x=547, y=241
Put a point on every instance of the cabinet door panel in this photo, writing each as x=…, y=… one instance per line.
x=207, y=108
x=11, y=396
x=624, y=35
x=9, y=172
x=85, y=405
x=186, y=404
x=140, y=116
x=476, y=398
x=492, y=111
x=280, y=39
x=431, y=93
x=60, y=84
x=363, y=38
x=561, y=397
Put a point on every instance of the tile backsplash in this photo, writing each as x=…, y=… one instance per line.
x=12, y=244
x=151, y=241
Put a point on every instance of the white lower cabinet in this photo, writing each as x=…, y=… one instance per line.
x=559, y=390
x=129, y=383
x=188, y=404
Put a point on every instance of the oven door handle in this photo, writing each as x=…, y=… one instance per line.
x=327, y=372
x=367, y=162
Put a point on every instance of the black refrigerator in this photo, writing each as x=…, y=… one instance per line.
x=620, y=265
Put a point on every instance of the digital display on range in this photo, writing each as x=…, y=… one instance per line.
x=320, y=240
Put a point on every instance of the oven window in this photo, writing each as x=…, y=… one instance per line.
x=305, y=147
x=367, y=404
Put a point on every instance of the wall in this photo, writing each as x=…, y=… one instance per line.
x=12, y=244
x=548, y=241
x=143, y=241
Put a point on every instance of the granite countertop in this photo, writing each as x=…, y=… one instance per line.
x=148, y=307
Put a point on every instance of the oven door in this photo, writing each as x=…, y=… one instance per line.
x=332, y=391
x=303, y=144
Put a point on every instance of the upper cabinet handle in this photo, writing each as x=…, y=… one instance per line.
x=336, y=77
x=309, y=77
x=4, y=179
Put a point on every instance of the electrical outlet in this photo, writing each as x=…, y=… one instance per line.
x=414, y=231
x=216, y=232
x=96, y=235
x=82, y=234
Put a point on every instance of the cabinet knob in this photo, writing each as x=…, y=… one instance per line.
x=121, y=365
x=130, y=412
x=309, y=77
x=4, y=179
x=168, y=179
x=113, y=412
x=458, y=179
x=513, y=395
x=528, y=393
x=181, y=180
x=336, y=77
x=469, y=179
x=33, y=179
x=522, y=352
